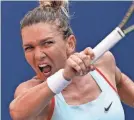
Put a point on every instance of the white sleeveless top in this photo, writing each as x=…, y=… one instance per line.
x=106, y=107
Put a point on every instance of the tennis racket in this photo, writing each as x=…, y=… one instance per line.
x=115, y=36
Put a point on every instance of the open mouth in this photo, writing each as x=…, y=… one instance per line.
x=46, y=69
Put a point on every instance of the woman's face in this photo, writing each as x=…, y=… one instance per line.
x=44, y=48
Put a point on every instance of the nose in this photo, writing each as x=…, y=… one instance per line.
x=40, y=54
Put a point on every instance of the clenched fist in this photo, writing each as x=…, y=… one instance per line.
x=79, y=64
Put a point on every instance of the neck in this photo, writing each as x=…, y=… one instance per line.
x=80, y=83
x=82, y=90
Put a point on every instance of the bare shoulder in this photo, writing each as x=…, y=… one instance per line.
x=107, y=65
x=23, y=87
x=106, y=61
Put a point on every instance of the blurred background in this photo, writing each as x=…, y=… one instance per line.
x=91, y=22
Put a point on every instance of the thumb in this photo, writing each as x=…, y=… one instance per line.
x=89, y=51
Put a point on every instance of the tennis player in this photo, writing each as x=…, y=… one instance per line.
x=66, y=85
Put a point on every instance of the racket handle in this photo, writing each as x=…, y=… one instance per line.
x=107, y=43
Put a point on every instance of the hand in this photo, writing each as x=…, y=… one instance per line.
x=79, y=64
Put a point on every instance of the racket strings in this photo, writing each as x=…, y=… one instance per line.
x=126, y=18
x=129, y=29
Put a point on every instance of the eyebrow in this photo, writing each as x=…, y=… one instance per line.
x=40, y=41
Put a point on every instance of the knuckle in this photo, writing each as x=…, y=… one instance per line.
x=90, y=49
x=76, y=54
x=84, y=57
x=80, y=62
x=78, y=69
x=74, y=65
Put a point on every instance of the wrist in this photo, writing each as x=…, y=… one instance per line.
x=65, y=75
x=57, y=82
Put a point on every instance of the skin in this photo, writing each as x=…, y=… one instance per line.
x=32, y=98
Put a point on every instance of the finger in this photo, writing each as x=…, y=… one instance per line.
x=89, y=51
x=86, y=60
x=92, y=68
x=75, y=66
x=78, y=59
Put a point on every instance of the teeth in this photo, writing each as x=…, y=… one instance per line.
x=43, y=65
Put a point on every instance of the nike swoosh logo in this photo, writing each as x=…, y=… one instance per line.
x=107, y=108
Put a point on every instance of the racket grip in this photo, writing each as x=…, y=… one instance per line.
x=107, y=43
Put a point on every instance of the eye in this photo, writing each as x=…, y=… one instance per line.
x=47, y=43
x=29, y=48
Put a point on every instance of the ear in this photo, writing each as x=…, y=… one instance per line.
x=71, y=44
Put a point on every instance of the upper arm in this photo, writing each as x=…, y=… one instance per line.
x=125, y=87
x=124, y=84
x=118, y=76
x=23, y=90
x=23, y=87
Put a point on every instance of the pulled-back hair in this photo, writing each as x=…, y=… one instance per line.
x=53, y=12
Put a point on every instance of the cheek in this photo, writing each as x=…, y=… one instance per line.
x=60, y=56
x=59, y=52
x=29, y=58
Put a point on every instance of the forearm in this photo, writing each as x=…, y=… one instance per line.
x=31, y=102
